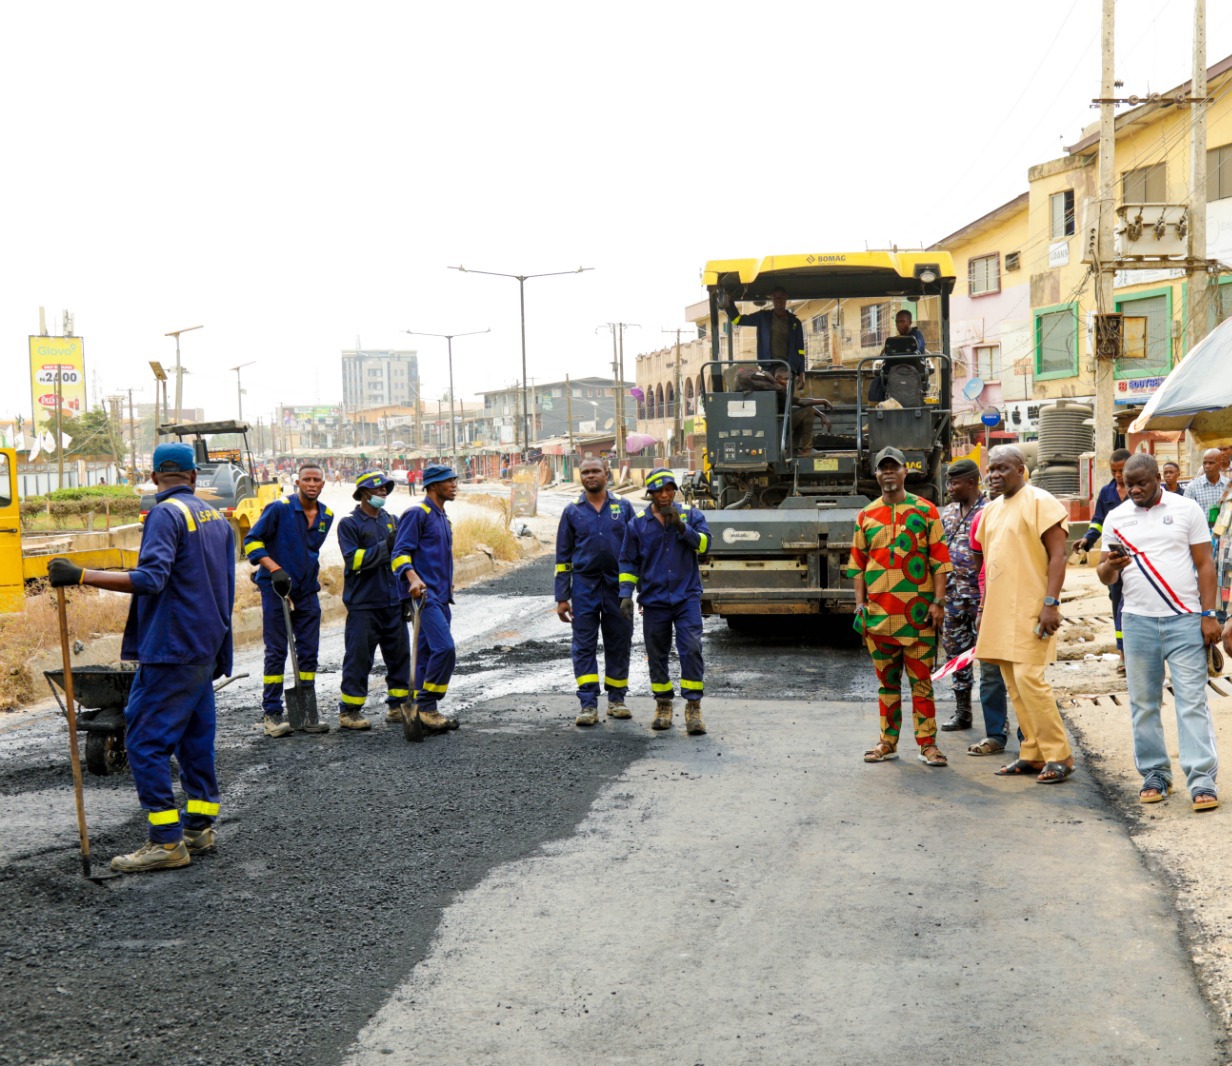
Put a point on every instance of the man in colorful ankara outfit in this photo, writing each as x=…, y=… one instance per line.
x=899, y=564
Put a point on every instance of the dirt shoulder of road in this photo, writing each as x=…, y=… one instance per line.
x=1191, y=851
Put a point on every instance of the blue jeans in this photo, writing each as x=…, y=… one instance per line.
x=1177, y=641
x=993, y=700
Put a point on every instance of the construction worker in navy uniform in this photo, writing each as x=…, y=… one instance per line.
x=284, y=545
x=588, y=542
x=373, y=602
x=659, y=559
x=423, y=563
x=179, y=631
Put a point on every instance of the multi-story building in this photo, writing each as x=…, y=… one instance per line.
x=1027, y=273
x=589, y=406
x=377, y=377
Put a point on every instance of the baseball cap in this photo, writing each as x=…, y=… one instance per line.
x=889, y=453
x=174, y=458
x=659, y=478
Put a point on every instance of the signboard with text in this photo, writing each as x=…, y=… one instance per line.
x=57, y=375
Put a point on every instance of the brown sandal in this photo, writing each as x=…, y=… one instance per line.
x=930, y=755
x=881, y=752
x=987, y=746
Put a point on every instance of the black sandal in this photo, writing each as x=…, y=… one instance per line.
x=1019, y=768
x=1058, y=772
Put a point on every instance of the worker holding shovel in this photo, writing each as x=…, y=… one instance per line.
x=179, y=630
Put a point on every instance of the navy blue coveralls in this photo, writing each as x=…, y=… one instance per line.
x=763, y=320
x=374, y=610
x=588, y=546
x=425, y=545
x=282, y=533
x=179, y=630
x=662, y=565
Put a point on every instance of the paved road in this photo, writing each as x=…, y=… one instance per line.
x=523, y=891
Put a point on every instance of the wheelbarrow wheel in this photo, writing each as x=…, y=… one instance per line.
x=106, y=754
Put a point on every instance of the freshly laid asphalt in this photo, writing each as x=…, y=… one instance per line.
x=523, y=891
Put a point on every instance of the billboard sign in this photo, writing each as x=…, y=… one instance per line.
x=53, y=358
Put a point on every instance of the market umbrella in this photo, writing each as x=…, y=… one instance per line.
x=1197, y=395
x=635, y=442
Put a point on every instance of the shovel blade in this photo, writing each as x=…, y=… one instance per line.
x=295, y=708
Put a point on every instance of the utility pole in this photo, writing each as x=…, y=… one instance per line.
x=179, y=371
x=1105, y=265
x=239, y=387
x=569, y=416
x=132, y=435
x=618, y=372
x=678, y=431
x=1199, y=278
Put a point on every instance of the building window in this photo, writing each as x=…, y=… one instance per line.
x=702, y=330
x=1146, y=185
x=820, y=323
x=1013, y=260
x=984, y=275
x=1061, y=211
x=1219, y=173
x=1156, y=308
x=1056, y=342
x=874, y=325
x=986, y=362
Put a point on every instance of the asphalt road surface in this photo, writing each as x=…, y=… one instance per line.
x=522, y=891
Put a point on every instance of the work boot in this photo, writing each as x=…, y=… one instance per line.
x=196, y=840
x=435, y=722
x=312, y=717
x=275, y=727
x=962, y=713
x=394, y=714
x=663, y=715
x=352, y=720
x=151, y=856
x=693, y=724
x=617, y=709
x=589, y=716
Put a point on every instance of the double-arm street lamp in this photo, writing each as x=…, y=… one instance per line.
x=239, y=388
x=521, y=280
x=179, y=373
x=453, y=435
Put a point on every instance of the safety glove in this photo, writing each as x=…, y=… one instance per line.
x=280, y=581
x=60, y=572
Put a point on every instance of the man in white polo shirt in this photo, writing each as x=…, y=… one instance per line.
x=1159, y=545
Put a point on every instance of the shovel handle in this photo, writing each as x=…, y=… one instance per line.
x=73, y=754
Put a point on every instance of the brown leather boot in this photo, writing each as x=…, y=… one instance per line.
x=693, y=724
x=663, y=715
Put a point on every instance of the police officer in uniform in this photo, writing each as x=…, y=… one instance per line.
x=588, y=542
x=423, y=563
x=179, y=630
x=373, y=602
x=284, y=545
x=659, y=558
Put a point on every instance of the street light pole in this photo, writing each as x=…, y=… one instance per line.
x=453, y=434
x=179, y=373
x=239, y=392
x=522, y=280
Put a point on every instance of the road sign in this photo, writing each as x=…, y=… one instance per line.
x=991, y=417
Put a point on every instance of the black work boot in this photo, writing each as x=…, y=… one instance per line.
x=962, y=713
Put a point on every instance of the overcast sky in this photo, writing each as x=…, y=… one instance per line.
x=297, y=177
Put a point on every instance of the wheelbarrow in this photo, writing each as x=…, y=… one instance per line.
x=101, y=693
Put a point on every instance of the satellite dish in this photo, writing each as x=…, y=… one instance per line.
x=973, y=388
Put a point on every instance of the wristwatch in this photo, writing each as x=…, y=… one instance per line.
x=1051, y=601
x=1209, y=614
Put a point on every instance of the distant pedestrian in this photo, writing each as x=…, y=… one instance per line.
x=588, y=543
x=373, y=601
x=899, y=562
x=962, y=583
x=1158, y=545
x=1110, y=497
x=659, y=559
x=1208, y=488
x=1172, y=477
x=423, y=563
x=179, y=631
x=1022, y=538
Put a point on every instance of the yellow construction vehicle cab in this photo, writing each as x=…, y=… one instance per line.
x=12, y=589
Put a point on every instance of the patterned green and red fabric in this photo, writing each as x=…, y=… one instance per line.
x=898, y=548
x=890, y=658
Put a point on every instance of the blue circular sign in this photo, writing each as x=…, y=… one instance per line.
x=991, y=417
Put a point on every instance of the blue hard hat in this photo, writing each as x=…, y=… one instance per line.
x=435, y=473
x=373, y=479
x=660, y=478
x=174, y=458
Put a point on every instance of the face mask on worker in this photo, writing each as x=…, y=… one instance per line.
x=376, y=501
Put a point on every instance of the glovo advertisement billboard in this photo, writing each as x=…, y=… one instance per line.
x=51, y=358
